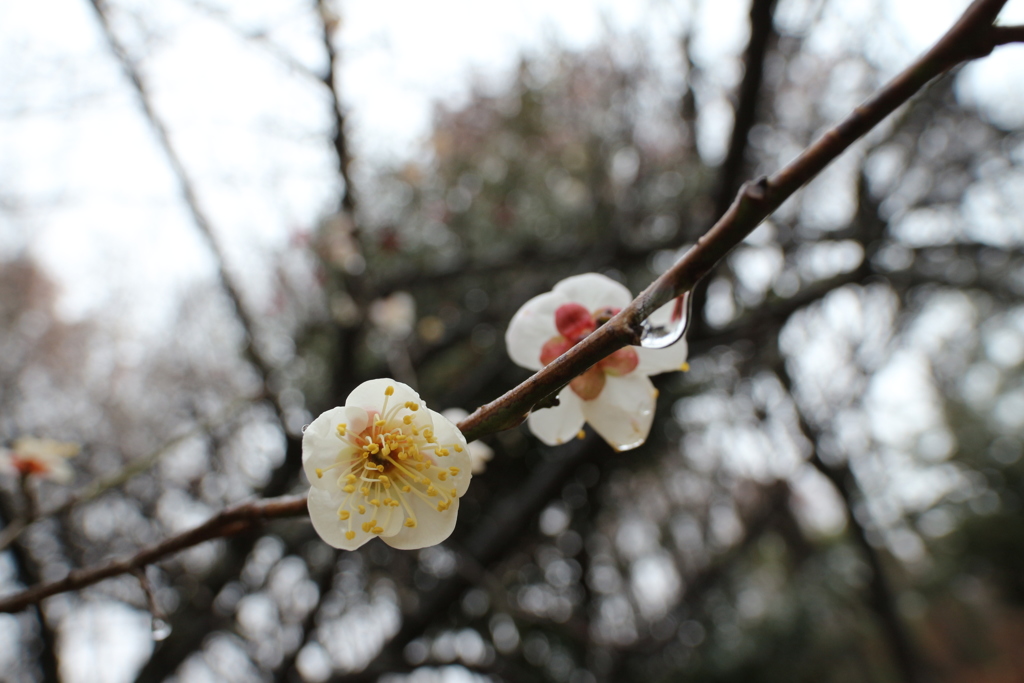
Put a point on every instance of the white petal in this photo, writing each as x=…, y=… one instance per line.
x=594, y=291
x=432, y=526
x=448, y=435
x=370, y=395
x=531, y=327
x=560, y=424
x=623, y=413
x=322, y=447
x=657, y=361
x=323, y=512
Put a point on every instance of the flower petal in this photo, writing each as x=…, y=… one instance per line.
x=594, y=291
x=323, y=512
x=531, y=327
x=560, y=424
x=447, y=434
x=623, y=413
x=370, y=394
x=322, y=447
x=657, y=361
x=432, y=526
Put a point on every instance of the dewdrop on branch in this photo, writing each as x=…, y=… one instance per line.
x=384, y=465
x=615, y=396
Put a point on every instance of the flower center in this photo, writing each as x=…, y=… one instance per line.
x=574, y=322
x=392, y=461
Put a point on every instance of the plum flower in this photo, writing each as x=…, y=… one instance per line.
x=43, y=458
x=616, y=395
x=384, y=465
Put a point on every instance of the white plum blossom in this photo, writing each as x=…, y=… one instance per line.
x=479, y=453
x=43, y=458
x=616, y=395
x=384, y=465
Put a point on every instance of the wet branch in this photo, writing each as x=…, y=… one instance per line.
x=973, y=36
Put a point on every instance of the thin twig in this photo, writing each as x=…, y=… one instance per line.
x=188, y=192
x=973, y=36
x=228, y=522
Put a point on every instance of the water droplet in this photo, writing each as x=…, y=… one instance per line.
x=161, y=629
x=304, y=428
x=668, y=324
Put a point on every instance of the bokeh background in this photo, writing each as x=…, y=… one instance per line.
x=218, y=216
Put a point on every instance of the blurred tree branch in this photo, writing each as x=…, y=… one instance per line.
x=228, y=522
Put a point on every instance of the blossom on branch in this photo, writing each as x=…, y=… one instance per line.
x=384, y=465
x=615, y=396
x=43, y=458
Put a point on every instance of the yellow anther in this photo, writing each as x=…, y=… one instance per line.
x=375, y=502
x=378, y=530
x=431, y=491
x=379, y=423
x=393, y=503
x=350, y=535
x=390, y=391
x=685, y=367
x=407, y=419
x=442, y=452
x=414, y=406
x=442, y=475
x=344, y=514
x=410, y=522
x=369, y=525
x=362, y=509
x=407, y=488
x=420, y=467
x=581, y=434
x=342, y=428
x=365, y=490
x=349, y=488
x=387, y=451
x=457, y=447
x=455, y=493
x=385, y=481
x=350, y=477
x=442, y=506
x=454, y=470
x=319, y=473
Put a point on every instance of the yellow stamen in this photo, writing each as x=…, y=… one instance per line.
x=350, y=535
x=390, y=391
x=581, y=434
x=457, y=447
x=343, y=514
x=410, y=522
x=362, y=509
x=342, y=428
x=454, y=470
x=685, y=367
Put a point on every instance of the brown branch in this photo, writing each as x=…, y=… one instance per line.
x=228, y=522
x=971, y=37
